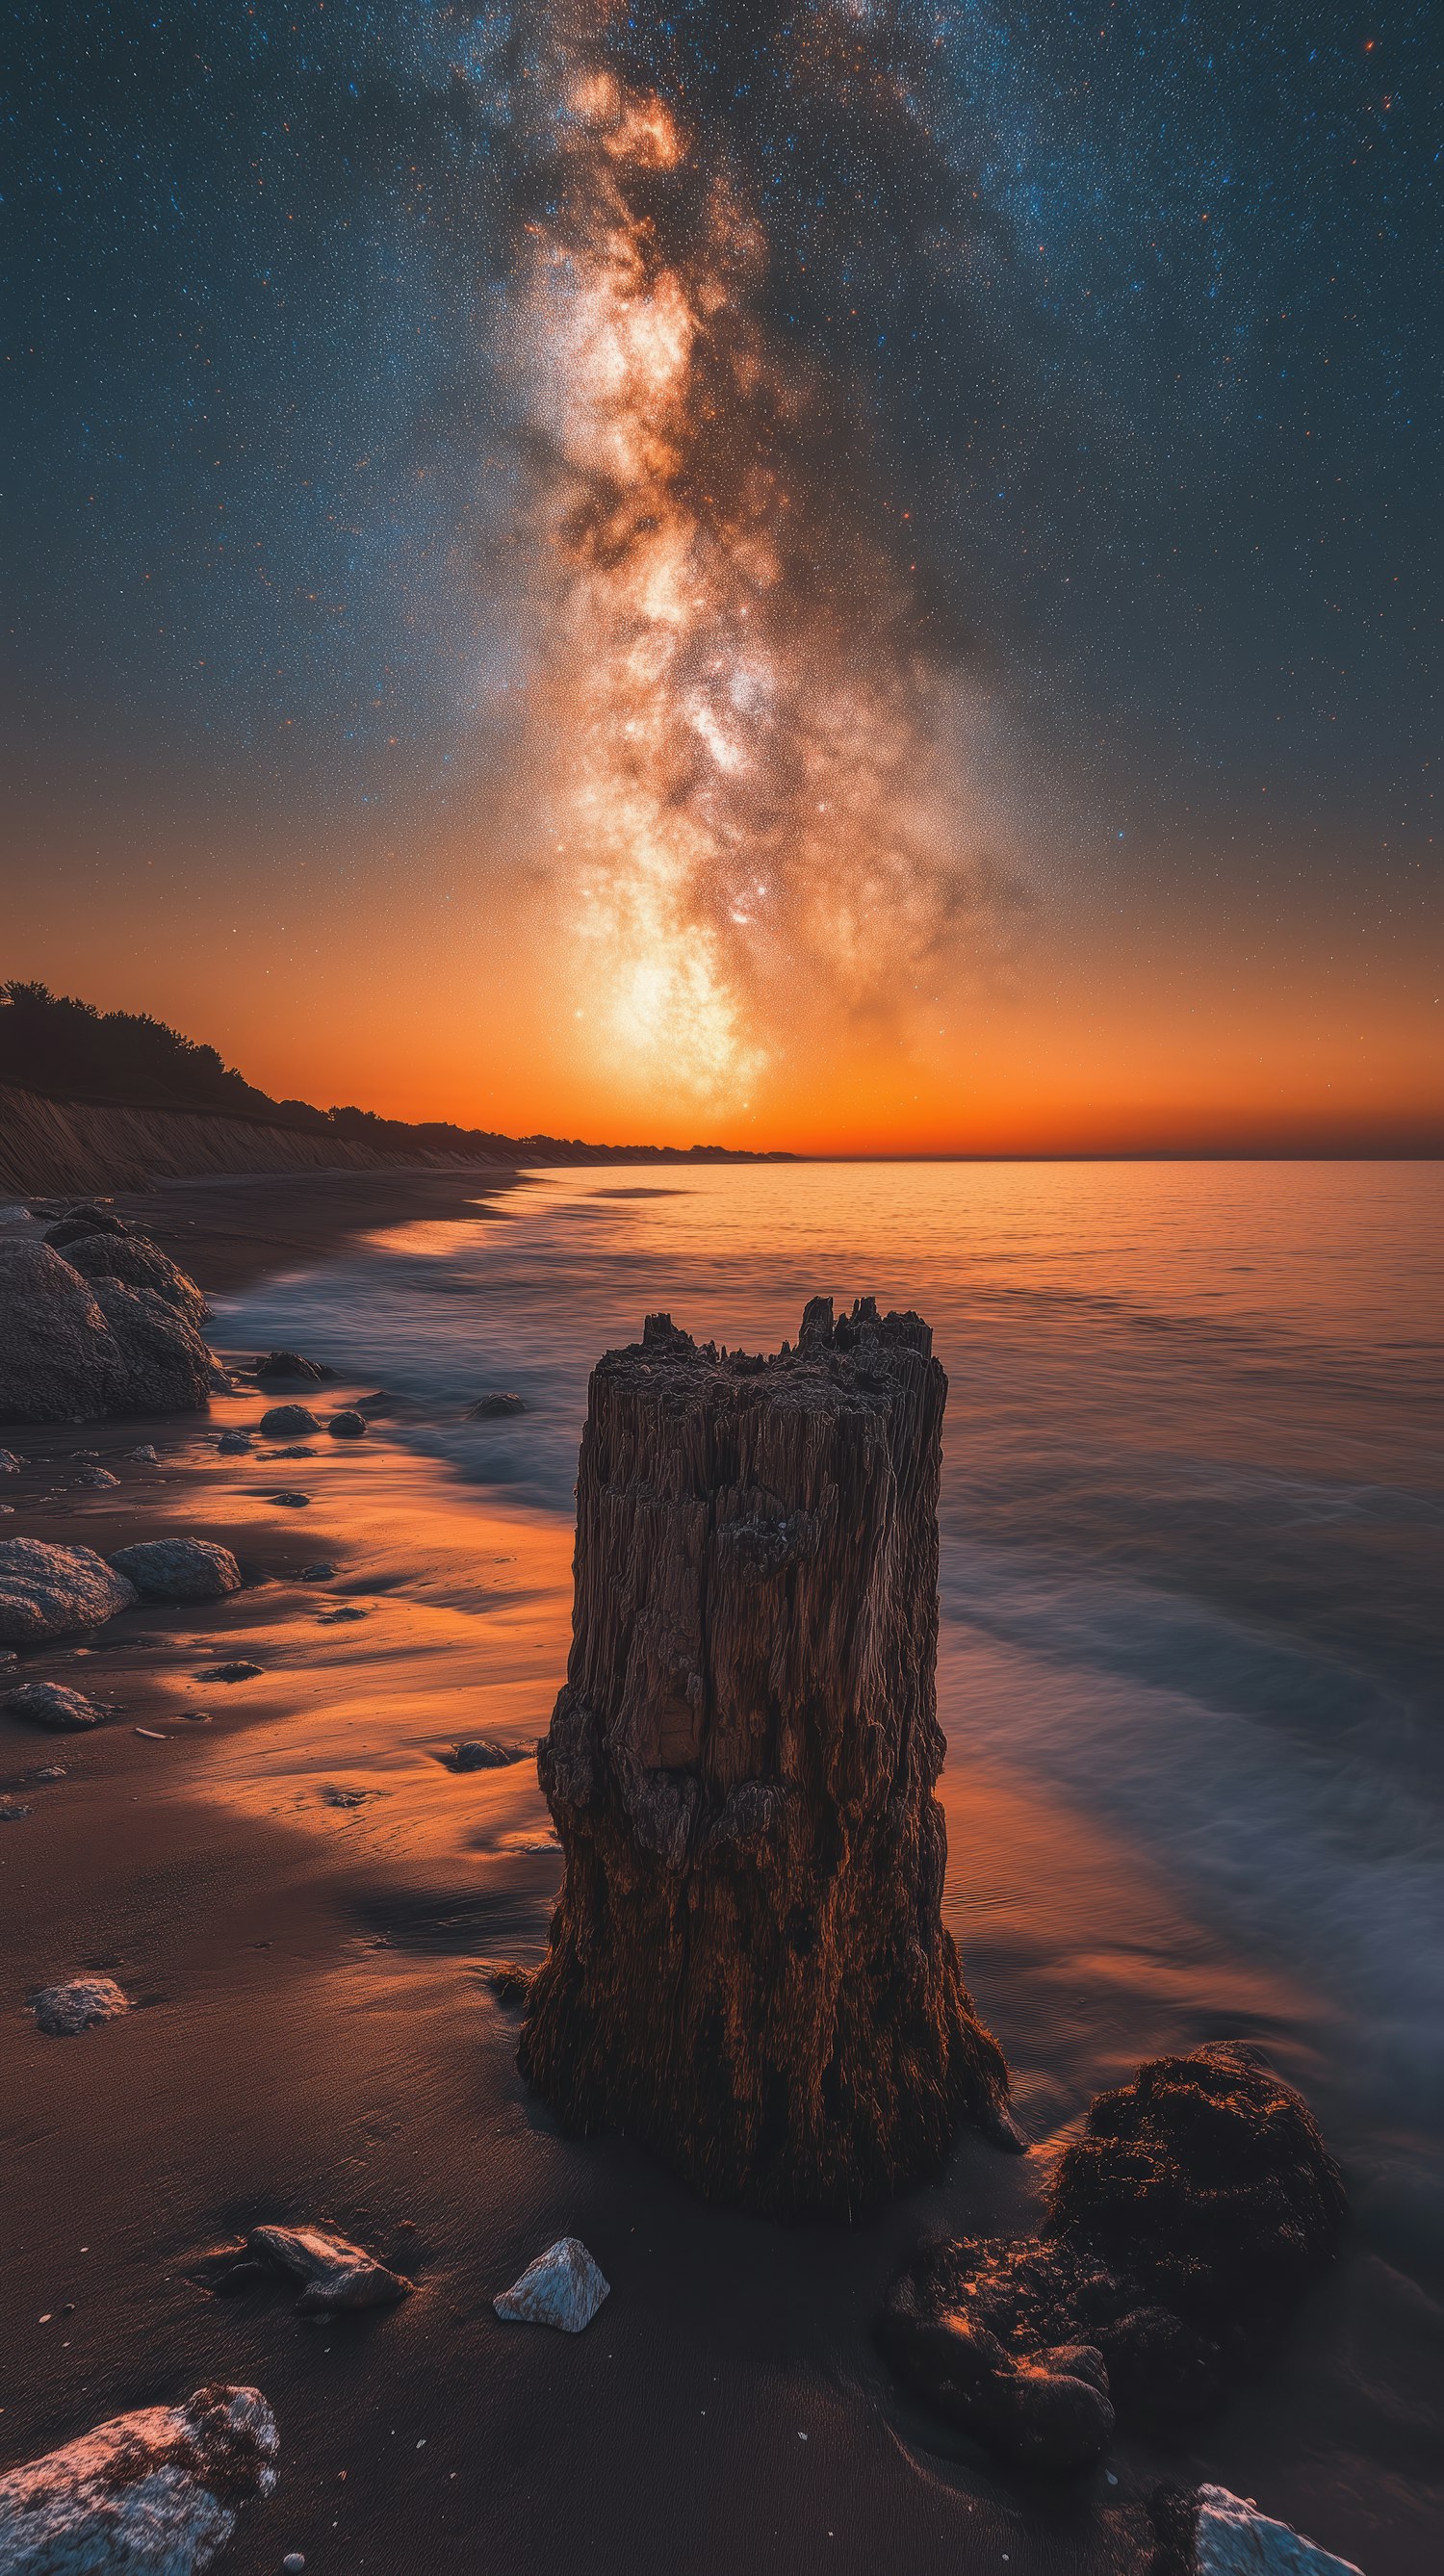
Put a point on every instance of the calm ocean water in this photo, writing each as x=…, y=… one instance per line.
x=1193, y=1507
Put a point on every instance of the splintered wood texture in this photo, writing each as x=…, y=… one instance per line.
x=748, y=1967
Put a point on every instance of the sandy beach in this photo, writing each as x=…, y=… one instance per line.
x=301, y=1898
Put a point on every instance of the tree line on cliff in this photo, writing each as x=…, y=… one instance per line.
x=52, y=1043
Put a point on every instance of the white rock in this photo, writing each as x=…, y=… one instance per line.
x=61, y=2011
x=1235, y=2539
x=46, y=1591
x=563, y=2287
x=154, y=2493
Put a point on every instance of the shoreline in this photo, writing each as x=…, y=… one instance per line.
x=232, y=1230
x=314, y=2041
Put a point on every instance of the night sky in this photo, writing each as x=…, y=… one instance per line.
x=1056, y=402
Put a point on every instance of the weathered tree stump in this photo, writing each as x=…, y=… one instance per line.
x=748, y=1967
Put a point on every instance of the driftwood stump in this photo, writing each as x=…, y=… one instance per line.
x=748, y=1967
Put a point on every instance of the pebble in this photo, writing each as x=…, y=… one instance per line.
x=316, y=1573
x=294, y=1502
x=11, y=1812
x=293, y=2562
x=145, y=1456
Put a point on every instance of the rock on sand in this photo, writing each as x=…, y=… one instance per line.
x=178, y=1569
x=61, y=2011
x=347, y=1426
x=75, y=1350
x=1205, y=2531
x=563, y=2287
x=337, y=2274
x=51, y=1704
x=154, y=2493
x=282, y=1421
x=47, y=1591
x=141, y=1265
x=482, y=1753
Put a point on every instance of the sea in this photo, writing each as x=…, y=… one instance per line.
x=1192, y=1529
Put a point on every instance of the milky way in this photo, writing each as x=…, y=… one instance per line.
x=790, y=486
x=742, y=708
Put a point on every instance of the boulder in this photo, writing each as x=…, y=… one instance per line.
x=337, y=2274
x=79, y=1224
x=79, y=1350
x=283, y=1421
x=232, y=1444
x=1181, y=2232
x=1205, y=2531
x=1047, y=2410
x=153, y=2493
x=347, y=1426
x=167, y=1368
x=748, y=1966
x=178, y=1569
x=290, y=1364
x=493, y=1408
x=48, y=1591
x=563, y=2287
x=140, y=1264
x=62, y=2011
x=51, y=1704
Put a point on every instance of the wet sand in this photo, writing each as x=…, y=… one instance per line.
x=316, y=2041
x=228, y=1230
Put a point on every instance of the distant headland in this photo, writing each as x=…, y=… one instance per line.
x=115, y=1100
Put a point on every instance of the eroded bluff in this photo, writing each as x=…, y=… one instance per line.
x=748, y=1967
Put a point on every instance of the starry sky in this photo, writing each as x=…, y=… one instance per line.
x=854, y=576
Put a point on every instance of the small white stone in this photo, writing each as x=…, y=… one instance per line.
x=1235, y=2539
x=293, y=2562
x=563, y=2287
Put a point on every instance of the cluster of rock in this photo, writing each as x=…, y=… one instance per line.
x=748, y=1965
x=96, y=1321
x=1182, y=2230
x=48, y=1591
